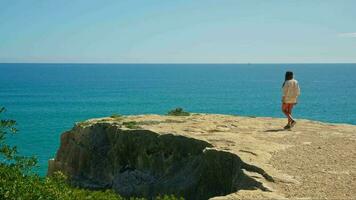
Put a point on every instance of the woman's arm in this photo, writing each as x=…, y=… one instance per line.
x=298, y=89
x=285, y=90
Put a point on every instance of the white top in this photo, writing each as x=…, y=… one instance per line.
x=291, y=91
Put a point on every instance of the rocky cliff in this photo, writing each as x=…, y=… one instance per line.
x=199, y=156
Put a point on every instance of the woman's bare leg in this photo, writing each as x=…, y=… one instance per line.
x=287, y=110
x=290, y=108
x=292, y=122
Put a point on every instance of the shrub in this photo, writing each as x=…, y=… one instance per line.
x=9, y=154
x=116, y=116
x=168, y=197
x=131, y=125
x=16, y=185
x=178, y=112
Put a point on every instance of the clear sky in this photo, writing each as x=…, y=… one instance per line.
x=178, y=31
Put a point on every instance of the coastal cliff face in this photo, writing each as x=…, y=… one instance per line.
x=197, y=157
x=145, y=164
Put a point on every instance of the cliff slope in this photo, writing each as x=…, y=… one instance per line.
x=206, y=156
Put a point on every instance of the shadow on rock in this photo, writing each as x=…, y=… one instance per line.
x=144, y=164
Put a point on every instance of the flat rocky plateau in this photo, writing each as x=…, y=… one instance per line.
x=234, y=157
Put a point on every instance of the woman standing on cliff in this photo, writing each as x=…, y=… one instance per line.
x=291, y=91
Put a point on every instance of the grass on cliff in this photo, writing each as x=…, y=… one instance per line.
x=131, y=125
x=178, y=112
x=18, y=182
x=116, y=116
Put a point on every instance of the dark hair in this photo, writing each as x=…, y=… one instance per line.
x=288, y=76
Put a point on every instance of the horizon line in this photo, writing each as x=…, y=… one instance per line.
x=177, y=63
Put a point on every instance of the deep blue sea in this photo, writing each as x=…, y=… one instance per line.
x=47, y=99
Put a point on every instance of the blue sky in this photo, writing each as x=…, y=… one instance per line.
x=178, y=31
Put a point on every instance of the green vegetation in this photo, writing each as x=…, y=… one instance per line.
x=83, y=124
x=169, y=197
x=18, y=182
x=116, y=116
x=14, y=184
x=149, y=122
x=9, y=154
x=178, y=112
x=173, y=121
x=131, y=125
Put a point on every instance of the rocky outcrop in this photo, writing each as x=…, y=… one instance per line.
x=205, y=156
x=137, y=161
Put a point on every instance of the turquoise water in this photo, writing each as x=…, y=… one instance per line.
x=47, y=99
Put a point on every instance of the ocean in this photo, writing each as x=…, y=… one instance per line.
x=47, y=99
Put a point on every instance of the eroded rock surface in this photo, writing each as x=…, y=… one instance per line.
x=205, y=156
x=144, y=163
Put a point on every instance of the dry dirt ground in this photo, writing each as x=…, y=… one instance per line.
x=314, y=160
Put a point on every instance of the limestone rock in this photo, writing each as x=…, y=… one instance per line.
x=214, y=156
x=145, y=164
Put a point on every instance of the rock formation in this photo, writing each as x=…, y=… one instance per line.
x=196, y=157
x=145, y=164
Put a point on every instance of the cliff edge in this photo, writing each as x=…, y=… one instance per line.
x=209, y=156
